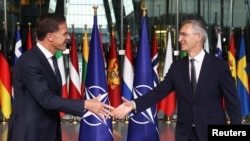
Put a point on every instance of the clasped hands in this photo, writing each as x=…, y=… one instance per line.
x=106, y=111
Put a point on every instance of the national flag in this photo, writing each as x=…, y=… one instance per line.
x=206, y=45
x=61, y=66
x=242, y=79
x=168, y=104
x=155, y=60
x=128, y=69
x=92, y=127
x=218, y=53
x=5, y=77
x=74, y=83
x=114, y=87
x=231, y=57
x=183, y=54
x=85, y=56
x=144, y=125
x=18, y=45
x=218, y=50
x=29, y=43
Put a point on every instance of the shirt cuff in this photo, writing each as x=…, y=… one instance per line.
x=134, y=106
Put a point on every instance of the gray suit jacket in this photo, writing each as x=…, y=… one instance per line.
x=38, y=100
x=203, y=109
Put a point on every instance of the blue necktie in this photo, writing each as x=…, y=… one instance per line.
x=193, y=76
x=57, y=72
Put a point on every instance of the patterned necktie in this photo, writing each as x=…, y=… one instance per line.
x=57, y=72
x=193, y=76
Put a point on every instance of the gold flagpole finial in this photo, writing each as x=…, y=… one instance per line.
x=73, y=27
x=169, y=27
x=155, y=26
x=144, y=9
x=4, y=24
x=29, y=24
x=242, y=30
x=128, y=28
x=18, y=25
x=113, y=30
x=95, y=9
x=85, y=27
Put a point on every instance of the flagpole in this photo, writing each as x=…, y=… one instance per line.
x=113, y=34
x=168, y=121
x=5, y=15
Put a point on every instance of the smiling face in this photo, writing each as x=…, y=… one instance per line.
x=52, y=32
x=190, y=39
x=60, y=37
x=57, y=40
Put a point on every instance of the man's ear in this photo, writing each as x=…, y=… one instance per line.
x=49, y=37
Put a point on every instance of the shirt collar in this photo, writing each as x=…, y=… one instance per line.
x=44, y=51
x=199, y=57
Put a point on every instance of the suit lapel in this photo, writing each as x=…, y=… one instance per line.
x=186, y=76
x=203, y=75
x=44, y=62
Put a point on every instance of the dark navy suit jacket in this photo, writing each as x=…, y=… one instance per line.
x=37, y=100
x=214, y=82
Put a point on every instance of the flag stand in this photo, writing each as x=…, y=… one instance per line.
x=75, y=121
x=168, y=120
x=126, y=119
x=113, y=120
x=4, y=122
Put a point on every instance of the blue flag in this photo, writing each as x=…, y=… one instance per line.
x=143, y=126
x=93, y=128
x=18, y=46
x=242, y=80
x=218, y=51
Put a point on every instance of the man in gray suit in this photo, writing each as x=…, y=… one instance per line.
x=37, y=90
x=199, y=105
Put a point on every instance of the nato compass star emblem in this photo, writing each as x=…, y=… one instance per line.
x=90, y=118
x=139, y=90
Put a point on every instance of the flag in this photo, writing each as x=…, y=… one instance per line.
x=242, y=80
x=74, y=83
x=144, y=125
x=114, y=87
x=18, y=45
x=206, y=44
x=168, y=104
x=85, y=56
x=128, y=70
x=231, y=57
x=60, y=60
x=218, y=50
x=29, y=43
x=218, y=53
x=93, y=128
x=183, y=54
x=155, y=60
x=5, y=77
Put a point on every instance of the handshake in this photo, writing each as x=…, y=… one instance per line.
x=106, y=111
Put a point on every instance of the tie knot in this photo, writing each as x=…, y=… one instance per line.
x=53, y=58
x=192, y=60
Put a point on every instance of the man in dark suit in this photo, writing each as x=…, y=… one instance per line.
x=37, y=91
x=198, y=107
